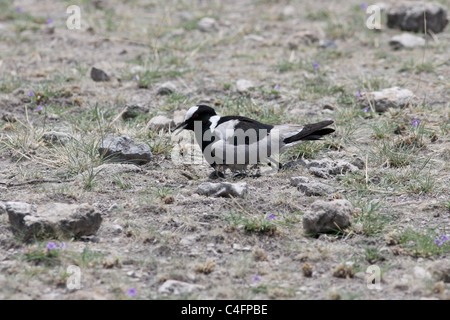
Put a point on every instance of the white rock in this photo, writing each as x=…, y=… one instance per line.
x=387, y=98
x=406, y=40
x=166, y=88
x=137, y=69
x=178, y=287
x=243, y=85
x=421, y=273
x=207, y=25
x=223, y=189
x=161, y=123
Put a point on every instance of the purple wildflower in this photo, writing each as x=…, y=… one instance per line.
x=366, y=109
x=444, y=238
x=19, y=10
x=39, y=108
x=438, y=241
x=136, y=78
x=363, y=6
x=131, y=292
x=358, y=94
x=51, y=246
x=277, y=87
x=271, y=217
x=316, y=65
x=50, y=20
x=63, y=246
x=415, y=123
x=31, y=93
x=256, y=278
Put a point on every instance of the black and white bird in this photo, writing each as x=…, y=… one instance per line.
x=234, y=142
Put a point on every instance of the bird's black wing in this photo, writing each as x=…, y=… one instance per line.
x=248, y=131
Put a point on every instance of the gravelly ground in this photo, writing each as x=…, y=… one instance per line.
x=155, y=227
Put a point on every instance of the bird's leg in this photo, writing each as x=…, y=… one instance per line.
x=216, y=173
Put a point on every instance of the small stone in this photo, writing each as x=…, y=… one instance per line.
x=326, y=168
x=223, y=189
x=307, y=270
x=421, y=273
x=288, y=12
x=137, y=69
x=134, y=110
x=166, y=88
x=52, y=220
x=178, y=287
x=99, y=75
x=55, y=137
x=160, y=123
x=305, y=37
x=244, y=86
x=311, y=188
x=358, y=162
x=124, y=149
x=327, y=216
x=315, y=189
x=409, y=16
x=344, y=271
x=295, y=181
x=117, y=228
x=208, y=25
x=2, y=208
x=328, y=44
x=387, y=98
x=406, y=40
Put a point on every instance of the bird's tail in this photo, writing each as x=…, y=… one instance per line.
x=312, y=131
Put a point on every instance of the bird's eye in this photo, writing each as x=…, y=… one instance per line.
x=195, y=116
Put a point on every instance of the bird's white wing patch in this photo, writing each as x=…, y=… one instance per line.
x=224, y=130
x=214, y=120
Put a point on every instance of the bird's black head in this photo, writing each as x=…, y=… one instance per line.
x=196, y=113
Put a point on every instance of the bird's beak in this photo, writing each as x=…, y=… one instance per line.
x=180, y=127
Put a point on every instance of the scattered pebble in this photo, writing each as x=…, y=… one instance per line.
x=134, y=110
x=124, y=149
x=327, y=216
x=223, y=189
x=166, y=88
x=406, y=40
x=99, y=75
x=208, y=25
x=243, y=85
x=178, y=287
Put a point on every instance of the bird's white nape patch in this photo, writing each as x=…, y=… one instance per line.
x=190, y=112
